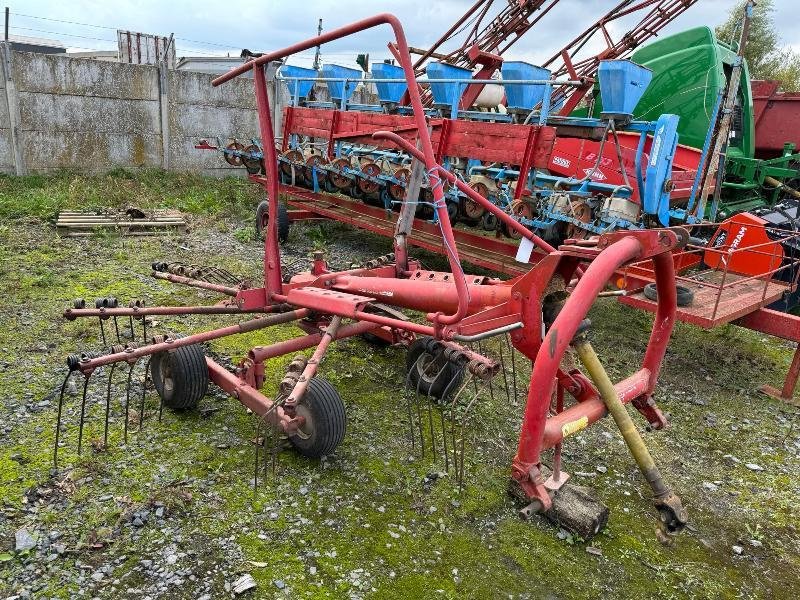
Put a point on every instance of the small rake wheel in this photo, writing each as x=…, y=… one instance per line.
x=431, y=374
x=253, y=165
x=180, y=376
x=325, y=420
x=262, y=220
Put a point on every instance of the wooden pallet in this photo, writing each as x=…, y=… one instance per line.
x=83, y=224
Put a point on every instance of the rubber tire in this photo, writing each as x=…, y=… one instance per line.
x=283, y=220
x=448, y=381
x=189, y=374
x=453, y=212
x=329, y=417
x=685, y=296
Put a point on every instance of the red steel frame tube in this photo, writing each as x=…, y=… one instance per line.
x=558, y=338
x=272, y=257
x=250, y=396
x=144, y=311
x=205, y=285
x=262, y=353
x=252, y=325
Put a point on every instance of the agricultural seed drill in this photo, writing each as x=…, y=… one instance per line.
x=543, y=313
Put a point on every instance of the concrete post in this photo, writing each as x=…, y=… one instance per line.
x=12, y=103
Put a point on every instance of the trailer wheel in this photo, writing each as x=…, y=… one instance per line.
x=431, y=374
x=325, y=420
x=685, y=296
x=180, y=376
x=262, y=220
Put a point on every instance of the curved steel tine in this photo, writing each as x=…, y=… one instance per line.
x=144, y=329
x=133, y=333
x=58, y=418
x=144, y=393
x=128, y=400
x=407, y=394
x=491, y=387
x=464, y=419
x=430, y=404
x=102, y=330
x=83, y=412
x=511, y=351
x=416, y=402
x=503, y=369
x=444, y=421
x=257, y=444
x=452, y=418
x=108, y=404
x=116, y=328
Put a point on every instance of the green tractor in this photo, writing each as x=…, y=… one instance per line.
x=690, y=71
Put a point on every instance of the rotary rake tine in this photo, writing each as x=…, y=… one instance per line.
x=108, y=404
x=511, y=351
x=58, y=418
x=503, y=371
x=264, y=426
x=445, y=394
x=128, y=402
x=83, y=411
x=408, y=398
x=144, y=393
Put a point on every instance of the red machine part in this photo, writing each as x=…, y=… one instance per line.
x=742, y=245
x=776, y=117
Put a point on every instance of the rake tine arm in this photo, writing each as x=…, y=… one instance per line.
x=169, y=344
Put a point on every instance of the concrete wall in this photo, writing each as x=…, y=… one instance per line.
x=89, y=115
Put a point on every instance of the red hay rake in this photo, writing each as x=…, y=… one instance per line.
x=541, y=314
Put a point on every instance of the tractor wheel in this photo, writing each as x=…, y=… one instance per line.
x=262, y=220
x=325, y=420
x=423, y=368
x=180, y=376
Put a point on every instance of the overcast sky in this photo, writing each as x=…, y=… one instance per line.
x=220, y=27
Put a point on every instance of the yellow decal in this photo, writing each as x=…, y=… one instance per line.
x=574, y=426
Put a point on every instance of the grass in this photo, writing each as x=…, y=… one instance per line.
x=362, y=523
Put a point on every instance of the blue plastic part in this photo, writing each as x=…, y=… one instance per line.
x=446, y=94
x=303, y=86
x=655, y=199
x=336, y=89
x=524, y=96
x=622, y=84
x=388, y=92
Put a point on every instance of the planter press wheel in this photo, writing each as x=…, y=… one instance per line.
x=325, y=420
x=365, y=185
x=582, y=212
x=519, y=209
x=471, y=209
x=262, y=220
x=231, y=159
x=295, y=157
x=340, y=181
x=397, y=191
x=180, y=376
x=489, y=222
x=423, y=366
x=254, y=166
x=318, y=161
